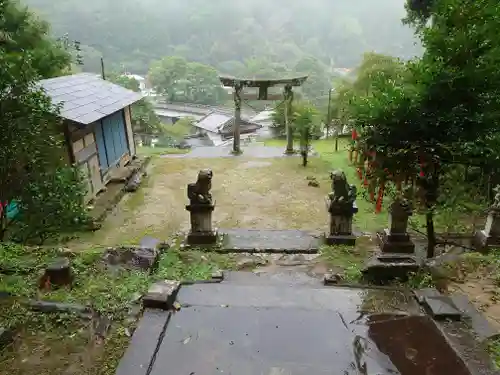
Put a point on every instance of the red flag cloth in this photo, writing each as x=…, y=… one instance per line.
x=360, y=174
x=380, y=198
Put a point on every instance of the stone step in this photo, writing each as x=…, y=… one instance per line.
x=286, y=278
x=340, y=299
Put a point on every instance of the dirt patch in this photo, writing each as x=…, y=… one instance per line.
x=484, y=294
x=274, y=197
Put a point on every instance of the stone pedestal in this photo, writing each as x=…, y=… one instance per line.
x=383, y=268
x=201, y=232
x=395, y=243
x=341, y=215
x=396, y=240
x=490, y=235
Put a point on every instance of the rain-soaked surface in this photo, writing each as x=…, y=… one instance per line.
x=225, y=151
x=270, y=330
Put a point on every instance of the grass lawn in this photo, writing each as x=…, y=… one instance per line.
x=64, y=344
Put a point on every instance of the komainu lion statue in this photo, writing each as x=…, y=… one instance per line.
x=342, y=192
x=199, y=192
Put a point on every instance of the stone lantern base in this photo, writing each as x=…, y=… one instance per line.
x=482, y=242
x=340, y=239
x=201, y=232
x=395, y=243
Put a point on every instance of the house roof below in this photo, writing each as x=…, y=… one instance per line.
x=86, y=98
x=223, y=123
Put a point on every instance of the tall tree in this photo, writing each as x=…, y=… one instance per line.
x=21, y=32
x=32, y=154
x=427, y=119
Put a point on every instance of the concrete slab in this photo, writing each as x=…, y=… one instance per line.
x=248, y=341
x=274, y=241
x=276, y=329
x=145, y=342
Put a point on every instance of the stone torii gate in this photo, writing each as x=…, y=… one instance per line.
x=238, y=84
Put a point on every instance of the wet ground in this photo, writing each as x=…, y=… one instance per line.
x=249, y=193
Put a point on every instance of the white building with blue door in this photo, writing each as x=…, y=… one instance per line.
x=97, y=125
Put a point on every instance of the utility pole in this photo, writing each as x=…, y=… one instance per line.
x=288, y=95
x=102, y=68
x=329, y=116
x=238, y=87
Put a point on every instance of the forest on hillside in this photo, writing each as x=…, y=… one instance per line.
x=234, y=36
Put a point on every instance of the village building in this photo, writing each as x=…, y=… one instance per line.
x=218, y=126
x=97, y=125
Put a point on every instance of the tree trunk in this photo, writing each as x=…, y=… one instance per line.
x=237, y=122
x=431, y=234
x=289, y=134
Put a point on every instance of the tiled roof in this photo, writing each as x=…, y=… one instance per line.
x=86, y=98
x=213, y=122
x=217, y=122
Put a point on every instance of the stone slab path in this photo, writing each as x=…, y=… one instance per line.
x=260, y=324
x=279, y=241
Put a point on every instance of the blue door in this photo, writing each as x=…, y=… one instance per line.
x=114, y=140
x=101, y=148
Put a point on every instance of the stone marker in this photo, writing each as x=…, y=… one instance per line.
x=396, y=238
x=490, y=235
x=341, y=205
x=57, y=274
x=201, y=207
x=161, y=295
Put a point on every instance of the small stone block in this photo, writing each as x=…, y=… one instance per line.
x=420, y=294
x=442, y=307
x=348, y=240
x=150, y=243
x=395, y=244
x=161, y=295
x=135, y=258
x=332, y=279
x=218, y=276
x=6, y=337
x=195, y=239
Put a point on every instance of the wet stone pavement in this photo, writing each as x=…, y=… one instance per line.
x=278, y=323
x=251, y=151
